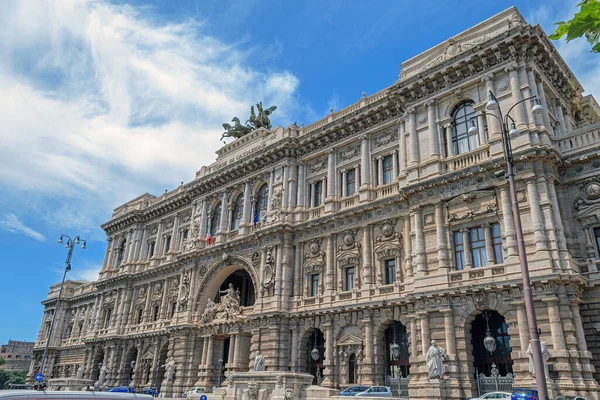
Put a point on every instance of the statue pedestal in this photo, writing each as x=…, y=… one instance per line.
x=431, y=389
x=274, y=385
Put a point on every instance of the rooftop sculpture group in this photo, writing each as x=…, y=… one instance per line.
x=254, y=122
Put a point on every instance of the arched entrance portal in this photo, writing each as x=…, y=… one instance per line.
x=241, y=281
x=491, y=352
x=315, y=353
x=397, y=353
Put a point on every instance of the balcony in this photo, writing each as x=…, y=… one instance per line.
x=491, y=271
x=471, y=158
x=386, y=190
x=348, y=202
x=579, y=140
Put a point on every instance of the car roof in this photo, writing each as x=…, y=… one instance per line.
x=40, y=394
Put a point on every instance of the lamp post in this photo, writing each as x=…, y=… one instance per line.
x=491, y=106
x=395, y=350
x=70, y=245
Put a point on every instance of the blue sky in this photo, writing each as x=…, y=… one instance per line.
x=103, y=101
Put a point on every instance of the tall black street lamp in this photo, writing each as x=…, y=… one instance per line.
x=491, y=107
x=70, y=245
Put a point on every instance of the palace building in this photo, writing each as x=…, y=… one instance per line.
x=381, y=227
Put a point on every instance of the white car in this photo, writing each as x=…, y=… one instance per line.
x=376, y=391
x=493, y=395
x=194, y=390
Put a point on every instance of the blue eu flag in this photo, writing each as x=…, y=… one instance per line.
x=255, y=214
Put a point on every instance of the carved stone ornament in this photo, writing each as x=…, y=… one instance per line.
x=315, y=258
x=185, y=289
x=169, y=222
x=268, y=270
x=348, y=240
x=350, y=152
x=349, y=251
x=592, y=189
x=385, y=138
x=255, y=258
x=317, y=165
x=227, y=309
x=153, y=230
x=471, y=205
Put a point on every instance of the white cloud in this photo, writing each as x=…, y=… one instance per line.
x=576, y=53
x=11, y=223
x=87, y=272
x=102, y=103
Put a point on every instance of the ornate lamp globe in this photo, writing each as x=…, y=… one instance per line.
x=314, y=354
x=489, y=342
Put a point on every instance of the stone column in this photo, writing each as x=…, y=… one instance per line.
x=311, y=194
x=294, y=344
x=425, y=333
x=507, y=220
x=285, y=188
x=271, y=183
x=331, y=195
x=449, y=144
x=537, y=218
x=379, y=170
x=365, y=162
x=293, y=186
x=328, y=373
x=368, y=357
x=481, y=129
x=515, y=88
x=542, y=97
x=237, y=355
x=407, y=248
x=396, y=172
x=489, y=244
x=330, y=260
x=142, y=252
x=523, y=327
x=247, y=208
x=527, y=105
x=538, y=119
x=301, y=186
x=492, y=123
x=367, y=258
x=224, y=207
x=579, y=332
x=420, y=240
x=158, y=247
x=561, y=118
x=413, y=155
x=434, y=145
x=561, y=239
x=175, y=238
x=449, y=331
x=441, y=237
x=402, y=146
x=298, y=270
x=467, y=248
x=129, y=248
x=414, y=341
x=344, y=186
x=556, y=329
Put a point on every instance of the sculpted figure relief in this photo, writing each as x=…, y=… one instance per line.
x=545, y=356
x=254, y=122
x=169, y=370
x=435, y=355
x=259, y=362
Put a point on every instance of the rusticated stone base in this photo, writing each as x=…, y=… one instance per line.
x=69, y=384
x=272, y=385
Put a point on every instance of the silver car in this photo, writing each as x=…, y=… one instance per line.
x=376, y=391
x=493, y=395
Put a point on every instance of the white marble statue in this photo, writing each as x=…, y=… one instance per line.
x=102, y=376
x=259, y=362
x=545, y=357
x=435, y=355
x=170, y=370
x=79, y=374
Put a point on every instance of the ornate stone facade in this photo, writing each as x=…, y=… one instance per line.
x=376, y=226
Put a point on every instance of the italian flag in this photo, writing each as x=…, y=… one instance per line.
x=209, y=238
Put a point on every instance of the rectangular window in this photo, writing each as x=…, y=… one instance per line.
x=388, y=169
x=173, y=309
x=350, y=182
x=597, y=236
x=478, y=253
x=185, y=234
x=390, y=271
x=349, y=278
x=314, y=285
x=318, y=193
x=167, y=244
x=459, y=251
x=107, y=321
x=155, y=315
x=497, y=244
x=151, y=249
x=140, y=316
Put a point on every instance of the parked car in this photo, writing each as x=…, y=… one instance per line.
x=493, y=395
x=569, y=398
x=376, y=391
x=122, y=389
x=69, y=395
x=353, y=390
x=524, y=394
x=151, y=390
x=194, y=390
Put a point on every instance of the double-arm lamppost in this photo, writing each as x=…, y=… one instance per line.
x=492, y=107
x=70, y=245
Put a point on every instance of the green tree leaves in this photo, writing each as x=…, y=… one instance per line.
x=585, y=23
x=7, y=377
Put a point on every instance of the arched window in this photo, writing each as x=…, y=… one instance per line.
x=236, y=216
x=121, y=252
x=463, y=116
x=261, y=203
x=215, y=220
x=495, y=323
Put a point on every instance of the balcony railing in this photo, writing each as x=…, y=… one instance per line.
x=464, y=160
x=347, y=202
x=387, y=190
x=580, y=139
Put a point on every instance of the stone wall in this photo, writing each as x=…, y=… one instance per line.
x=590, y=315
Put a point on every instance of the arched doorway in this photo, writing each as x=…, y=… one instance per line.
x=397, y=363
x=97, y=365
x=129, y=366
x=492, y=360
x=315, y=355
x=241, y=281
x=352, y=370
x=160, y=367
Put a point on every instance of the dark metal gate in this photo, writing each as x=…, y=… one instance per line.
x=495, y=382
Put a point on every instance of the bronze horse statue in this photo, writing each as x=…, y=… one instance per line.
x=254, y=122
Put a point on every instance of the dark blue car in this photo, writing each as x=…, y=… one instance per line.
x=524, y=394
x=151, y=390
x=122, y=389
